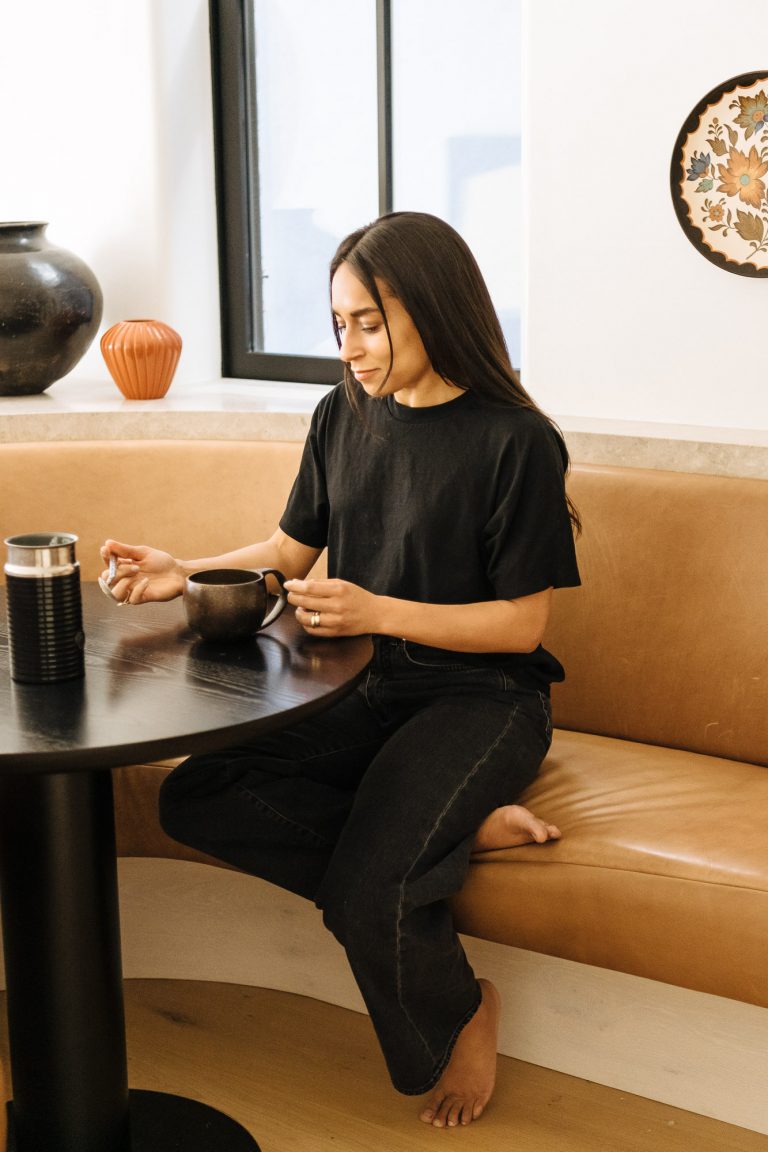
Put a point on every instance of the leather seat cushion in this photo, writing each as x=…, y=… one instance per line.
x=662, y=870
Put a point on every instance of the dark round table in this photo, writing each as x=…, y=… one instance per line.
x=151, y=690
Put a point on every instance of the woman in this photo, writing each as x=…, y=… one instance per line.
x=437, y=487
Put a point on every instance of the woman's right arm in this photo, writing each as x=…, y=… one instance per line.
x=147, y=574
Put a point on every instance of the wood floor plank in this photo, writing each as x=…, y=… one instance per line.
x=306, y=1076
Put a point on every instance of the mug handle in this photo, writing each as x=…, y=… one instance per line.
x=282, y=598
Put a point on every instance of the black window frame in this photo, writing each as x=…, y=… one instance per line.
x=237, y=192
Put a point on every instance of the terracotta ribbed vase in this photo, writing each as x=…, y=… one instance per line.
x=141, y=356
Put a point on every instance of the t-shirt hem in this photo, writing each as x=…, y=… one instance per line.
x=296, y=533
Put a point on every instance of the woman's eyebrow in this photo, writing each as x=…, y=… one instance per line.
x=358, y=312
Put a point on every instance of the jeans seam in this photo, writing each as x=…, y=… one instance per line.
x=367, y=685
x=546, y=709
x=443, y=1062
x=279, y=818
x=401, y=898
x=321, y=755
x=455, y=667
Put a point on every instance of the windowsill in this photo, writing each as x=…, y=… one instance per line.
x=225, y=409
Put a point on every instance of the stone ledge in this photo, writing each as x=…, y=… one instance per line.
x=226, y=409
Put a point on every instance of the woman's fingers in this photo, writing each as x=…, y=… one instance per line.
x=138, y=574
x=125, y=551
x=321, y=589
x=120, y=560
x=343, y=607
x=315, y=612
x=130, y=592
x=308, y=597
x=113, y=576
x=136, y=591
x=321, y=622
x=318, y=595
x=317, y=621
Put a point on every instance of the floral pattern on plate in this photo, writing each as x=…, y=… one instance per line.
x=719, y=175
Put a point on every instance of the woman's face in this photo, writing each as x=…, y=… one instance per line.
x=365, y=347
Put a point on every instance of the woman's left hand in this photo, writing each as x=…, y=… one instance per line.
x=332, y=607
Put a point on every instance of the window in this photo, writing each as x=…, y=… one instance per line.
x=330, y=112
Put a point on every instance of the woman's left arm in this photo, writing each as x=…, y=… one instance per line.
x=490, y=626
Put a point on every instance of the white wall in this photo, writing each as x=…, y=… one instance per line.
x=626, y=319
x=107, y=134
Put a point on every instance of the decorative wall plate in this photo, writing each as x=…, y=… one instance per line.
x=719, y=175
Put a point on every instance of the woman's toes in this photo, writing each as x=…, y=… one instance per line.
x=468, y=1112
x=441, y=1116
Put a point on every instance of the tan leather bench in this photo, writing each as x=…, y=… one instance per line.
x=657, y=775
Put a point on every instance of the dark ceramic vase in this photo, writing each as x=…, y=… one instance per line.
x=50, y=309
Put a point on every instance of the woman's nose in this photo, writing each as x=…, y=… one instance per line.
x=349, y=346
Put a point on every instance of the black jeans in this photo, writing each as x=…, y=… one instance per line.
x=369, y=809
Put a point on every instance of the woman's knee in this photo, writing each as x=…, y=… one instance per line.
x=183, y=789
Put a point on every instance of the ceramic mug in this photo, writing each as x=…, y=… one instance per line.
x=230, y=604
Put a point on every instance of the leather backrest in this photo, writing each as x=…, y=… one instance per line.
x=667, y=640
x=193, y=498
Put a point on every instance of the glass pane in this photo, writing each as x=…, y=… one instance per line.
x=456, y=111
x=317, y=162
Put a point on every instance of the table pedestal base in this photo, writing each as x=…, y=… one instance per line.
x=164, y=1123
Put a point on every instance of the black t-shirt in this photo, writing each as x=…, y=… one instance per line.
x=452, y=504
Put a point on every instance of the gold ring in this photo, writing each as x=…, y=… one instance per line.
x=314, y=620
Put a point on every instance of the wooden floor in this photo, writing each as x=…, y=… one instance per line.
x=305, y=1076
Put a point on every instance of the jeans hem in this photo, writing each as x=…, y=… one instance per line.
x=443, y=1064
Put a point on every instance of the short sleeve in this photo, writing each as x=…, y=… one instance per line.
x=529, y=538
x=306, y=514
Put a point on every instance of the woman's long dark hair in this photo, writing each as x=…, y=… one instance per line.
x=426, y=264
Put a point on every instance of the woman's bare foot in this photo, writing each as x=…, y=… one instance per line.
x=466, y=1085
x=511, y=826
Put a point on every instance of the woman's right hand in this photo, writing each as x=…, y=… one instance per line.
x=143, y=574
